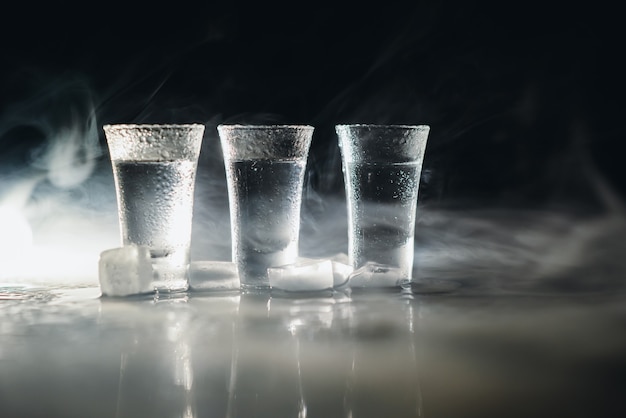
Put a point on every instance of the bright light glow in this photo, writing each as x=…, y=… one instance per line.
x=16, y=241
x=15, y=232
x=60, y=265
x=67, y=259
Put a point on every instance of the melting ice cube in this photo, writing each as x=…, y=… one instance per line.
x=125, y=271
x=213, y=276
x=375, y=275
x=305, y=275
x=341, y=269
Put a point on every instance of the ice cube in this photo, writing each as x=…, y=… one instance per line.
x=341, y=269
x=375, y=275
x=305, y=275
x=125, y=271
x=213, y=276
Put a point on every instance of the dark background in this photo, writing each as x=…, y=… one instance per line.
x=525, y=101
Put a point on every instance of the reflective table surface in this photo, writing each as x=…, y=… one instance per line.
x=447, y=349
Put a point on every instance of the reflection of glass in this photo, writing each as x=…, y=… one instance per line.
x=282, y=366
x=154, y=168
x=264, y=374
x=265, y=172
x=321, y=373
x=156, y=374
x=173, y=361
x=383, y=373
x=416, y=385
x=382, y=166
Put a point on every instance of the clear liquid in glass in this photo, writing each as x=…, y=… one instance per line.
x=265, y=216
x=382, y=202
x=155, y=200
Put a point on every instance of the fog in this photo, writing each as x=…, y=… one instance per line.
x=520, y=182
x=59, y=212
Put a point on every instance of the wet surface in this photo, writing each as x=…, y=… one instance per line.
x=452, y=349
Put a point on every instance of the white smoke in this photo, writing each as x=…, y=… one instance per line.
x=47, y=233
x=69, y=158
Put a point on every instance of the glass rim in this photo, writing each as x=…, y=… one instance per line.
x=378, y=126
x=252, y=127
x=152, y=125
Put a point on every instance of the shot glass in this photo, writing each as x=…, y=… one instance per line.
x=382, y=166
x=265, y=167
x=154, y=168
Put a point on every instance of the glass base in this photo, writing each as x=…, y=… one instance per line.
x=259, y=287
x=169, y=277
x=170, y=286
x=377, y=289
